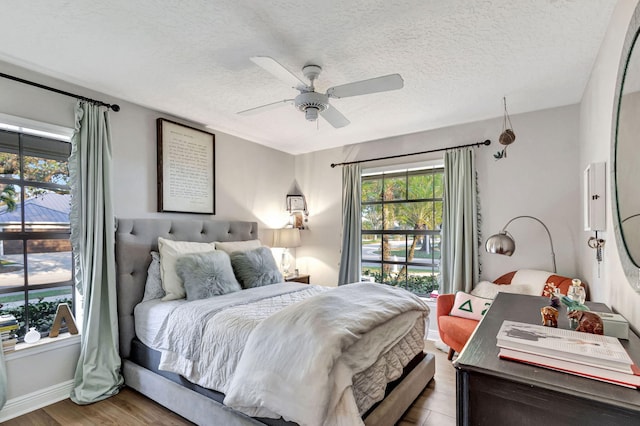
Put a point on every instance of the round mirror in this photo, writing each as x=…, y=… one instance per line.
x=626, y=155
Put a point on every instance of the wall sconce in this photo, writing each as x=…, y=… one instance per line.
x=503, y=243
x=298, y=212
x=286, y=238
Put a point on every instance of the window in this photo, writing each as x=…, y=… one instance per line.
x=36, y=272
x=401, y=221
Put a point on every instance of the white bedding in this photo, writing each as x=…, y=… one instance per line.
x=149, y=317
x=299, y=362
x=228, y=321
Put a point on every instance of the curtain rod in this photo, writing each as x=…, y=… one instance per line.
x=113, y=107
x=487, y=142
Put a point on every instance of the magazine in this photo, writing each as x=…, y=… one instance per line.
x=583, y=370
x=567, y=345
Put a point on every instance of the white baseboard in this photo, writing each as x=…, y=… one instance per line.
x=26, y=403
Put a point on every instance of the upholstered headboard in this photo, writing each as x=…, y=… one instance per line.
x=136, y=238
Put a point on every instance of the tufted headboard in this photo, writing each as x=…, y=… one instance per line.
x=136, y=238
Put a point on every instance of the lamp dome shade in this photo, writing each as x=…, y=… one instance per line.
x=500, y=244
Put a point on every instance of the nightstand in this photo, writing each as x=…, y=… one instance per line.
x=302, y=278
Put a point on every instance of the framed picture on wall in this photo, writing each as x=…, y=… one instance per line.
x=186, y=169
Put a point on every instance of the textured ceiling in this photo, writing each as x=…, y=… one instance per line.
x=458, y=58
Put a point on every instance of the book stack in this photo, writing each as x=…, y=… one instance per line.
x=583, y=354
x=8, y=327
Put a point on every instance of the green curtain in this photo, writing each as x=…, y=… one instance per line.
x=3, y=380
x=92, y=235
x=459, y=266
x=351, y=253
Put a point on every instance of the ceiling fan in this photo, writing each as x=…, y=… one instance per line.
x=313, y=103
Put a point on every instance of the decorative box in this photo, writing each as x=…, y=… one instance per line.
x=614, y=325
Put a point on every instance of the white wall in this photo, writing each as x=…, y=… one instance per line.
x=596, y=115
x=251, y=184
x=538, y=178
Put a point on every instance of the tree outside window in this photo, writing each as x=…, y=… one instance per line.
x=36, y=272
x=401, y=220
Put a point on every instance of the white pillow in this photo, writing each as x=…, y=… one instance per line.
x=231, y=246
x=490, y=290
x=468, y=306
x=170, y=251
x=535, y=278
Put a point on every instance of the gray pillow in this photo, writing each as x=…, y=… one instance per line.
x=255, y=268
x=153, y=287
x=206, y=274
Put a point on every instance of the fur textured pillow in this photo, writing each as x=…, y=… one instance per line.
x=153, y=287
x=206, y=274
x=170, y=251
x=468, y=306
x=255, y=268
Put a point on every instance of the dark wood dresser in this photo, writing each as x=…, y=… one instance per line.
x=491, y=391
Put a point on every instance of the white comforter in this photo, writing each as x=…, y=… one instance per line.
x=203, y=340
x=285, y=358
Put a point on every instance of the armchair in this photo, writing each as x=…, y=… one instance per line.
x=455, y=331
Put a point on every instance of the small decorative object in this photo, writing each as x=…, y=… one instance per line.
x=588, y=322
x=298, y=211
x=597, y=244
x=63, y=313
x=549, y=316
x=576, y=291
x=508, y=136
x=32, y=335
x=554, y=299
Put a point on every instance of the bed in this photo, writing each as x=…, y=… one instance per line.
x=135, y=239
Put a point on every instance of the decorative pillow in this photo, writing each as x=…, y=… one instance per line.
x=255, y=268
x=231, y=246
x=535, y=278
x=543, y=283
x=559, y=282
x=206, y=274
x=170, y=251
x=153, y=287
x=468, y=306
x=490, y=290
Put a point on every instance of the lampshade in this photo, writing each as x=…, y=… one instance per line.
x=500, y=243
x=286, y=238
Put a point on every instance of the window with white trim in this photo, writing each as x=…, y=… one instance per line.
x=36, y=265
x=401, y=221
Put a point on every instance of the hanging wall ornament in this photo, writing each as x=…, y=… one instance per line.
x=507, y=137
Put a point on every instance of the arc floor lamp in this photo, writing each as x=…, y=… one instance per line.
x=503, y=243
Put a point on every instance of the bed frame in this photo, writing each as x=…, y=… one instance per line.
x=135, y=239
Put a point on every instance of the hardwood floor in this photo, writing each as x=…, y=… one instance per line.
x=434, y=407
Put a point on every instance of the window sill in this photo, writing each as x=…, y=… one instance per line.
x=43, y=345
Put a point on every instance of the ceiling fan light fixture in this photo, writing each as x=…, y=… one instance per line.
x=311, y=113
x=313, y=103
x=315, y=100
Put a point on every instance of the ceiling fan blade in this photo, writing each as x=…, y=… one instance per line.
x=334, y=117
x=277, y=70
x=266, y=107
x=364, y=87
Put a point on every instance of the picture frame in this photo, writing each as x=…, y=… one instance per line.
x=296, y=203
x=186, y=168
